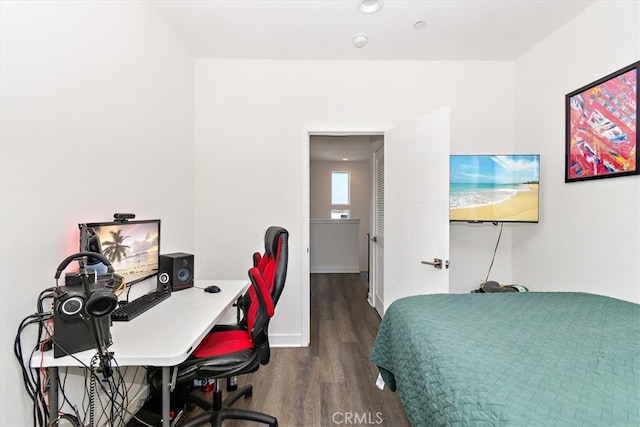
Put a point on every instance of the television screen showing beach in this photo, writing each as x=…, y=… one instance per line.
x=494, y=188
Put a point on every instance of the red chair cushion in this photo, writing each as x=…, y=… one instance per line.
x=259, y=281
x=259, y=261
x=224, y=342
x=269, y=275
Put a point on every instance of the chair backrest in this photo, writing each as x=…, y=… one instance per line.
x=261, y=308
x=273, y=263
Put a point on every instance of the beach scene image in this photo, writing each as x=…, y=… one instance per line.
x=494, y=188
x=132, y=248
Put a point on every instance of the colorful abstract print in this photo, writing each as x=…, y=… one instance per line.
x=602, y=134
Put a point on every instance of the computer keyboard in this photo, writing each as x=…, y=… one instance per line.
x=134, y=308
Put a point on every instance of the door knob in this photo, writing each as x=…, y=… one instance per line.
x=437, y=263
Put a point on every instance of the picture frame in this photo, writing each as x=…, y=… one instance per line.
x=601, y=127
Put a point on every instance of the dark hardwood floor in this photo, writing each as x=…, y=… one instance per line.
x=331, y=382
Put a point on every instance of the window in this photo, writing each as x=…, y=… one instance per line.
x=339, y=188
x=340, y=195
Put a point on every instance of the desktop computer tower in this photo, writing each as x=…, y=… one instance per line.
x=81, y=317
x=176, y=271
x=72, y=334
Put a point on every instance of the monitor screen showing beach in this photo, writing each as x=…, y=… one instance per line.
x=487, y=188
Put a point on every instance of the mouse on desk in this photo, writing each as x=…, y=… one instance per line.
x=213, y=289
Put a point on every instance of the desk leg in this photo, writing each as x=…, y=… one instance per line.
x=166, y=393
x=53, y=393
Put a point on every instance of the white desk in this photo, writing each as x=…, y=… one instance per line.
x=163, y=336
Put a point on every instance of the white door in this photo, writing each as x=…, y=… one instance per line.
x=416, y=207
x=376, y=279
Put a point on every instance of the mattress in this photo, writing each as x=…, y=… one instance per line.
x=513, y=359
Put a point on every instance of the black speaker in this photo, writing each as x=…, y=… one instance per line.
x=76, y=317
x=81, y=308
x=72, y=331
x=175, y=271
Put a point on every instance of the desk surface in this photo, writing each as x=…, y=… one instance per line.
x=166, y=334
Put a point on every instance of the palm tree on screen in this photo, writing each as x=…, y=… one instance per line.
x=115, y=249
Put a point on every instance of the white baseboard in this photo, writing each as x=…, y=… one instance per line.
x=380, y=304
x=286, y=340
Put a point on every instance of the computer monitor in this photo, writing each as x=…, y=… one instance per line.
x=132, y=247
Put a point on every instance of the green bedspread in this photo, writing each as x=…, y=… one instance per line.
x=513, y=359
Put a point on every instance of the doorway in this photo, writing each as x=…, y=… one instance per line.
x=416, y=206
x=350, y=154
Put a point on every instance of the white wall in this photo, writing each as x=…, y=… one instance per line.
x=97, y=117
x=333, y=246
x=360, y=193
x=252, y=124
x=588, y=238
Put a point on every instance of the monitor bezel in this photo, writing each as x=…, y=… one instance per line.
x=83, y=240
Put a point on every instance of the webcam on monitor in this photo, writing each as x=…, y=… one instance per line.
x=123, y=216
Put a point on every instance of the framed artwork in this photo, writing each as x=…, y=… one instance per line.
x=601, y=120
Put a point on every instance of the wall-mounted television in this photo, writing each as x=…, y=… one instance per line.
x=494, y=188
x=132, y=247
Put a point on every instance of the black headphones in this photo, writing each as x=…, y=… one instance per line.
x=96, y=303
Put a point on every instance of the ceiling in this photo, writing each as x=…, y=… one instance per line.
x=474, y=30
x=352, y=148
x=324, y=29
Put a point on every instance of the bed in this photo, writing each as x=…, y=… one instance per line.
x=513, y=359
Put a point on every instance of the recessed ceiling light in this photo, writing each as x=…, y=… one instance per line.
x=345, y=158
x=419, y=25
x=360, y=40
x=369, y=6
